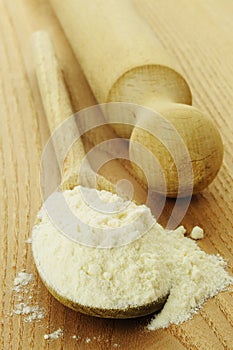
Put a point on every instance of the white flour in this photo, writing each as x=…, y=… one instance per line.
x=23, y=279
x=55, y=335
x=197, y=233
x=34, y=313
x=155, y=264
x=22, y=287
x=195, y=276
x=87, y=340
x=119, y=277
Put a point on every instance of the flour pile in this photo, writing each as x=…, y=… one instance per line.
x=154, y=264
x=195, y=276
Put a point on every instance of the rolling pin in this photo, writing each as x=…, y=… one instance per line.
x=124, y=62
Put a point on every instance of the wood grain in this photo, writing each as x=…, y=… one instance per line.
x=198, y=34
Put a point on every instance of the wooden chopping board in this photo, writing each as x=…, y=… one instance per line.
x=199, y=35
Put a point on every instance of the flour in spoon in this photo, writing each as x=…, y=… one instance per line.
x=153, y=264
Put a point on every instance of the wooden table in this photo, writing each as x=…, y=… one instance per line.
x=199, y=34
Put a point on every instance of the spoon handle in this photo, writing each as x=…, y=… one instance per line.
x=58, y=108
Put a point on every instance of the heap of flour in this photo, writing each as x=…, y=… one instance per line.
x=152, y=264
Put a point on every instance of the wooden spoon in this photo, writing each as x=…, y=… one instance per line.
x=57, y=106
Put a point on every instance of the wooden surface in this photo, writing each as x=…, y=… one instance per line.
x=199, y=34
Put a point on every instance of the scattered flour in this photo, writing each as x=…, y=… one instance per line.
x=157, y=263
x=34, y=313
x=22, y=288
x=98, y=339
x=22, y=280
x=197, y=233
x=28, y=241
x=55, y=335
x=77, y=337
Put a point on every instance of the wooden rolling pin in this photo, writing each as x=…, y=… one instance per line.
x=124, y=62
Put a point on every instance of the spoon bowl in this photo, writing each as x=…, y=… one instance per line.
x=124, y=313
